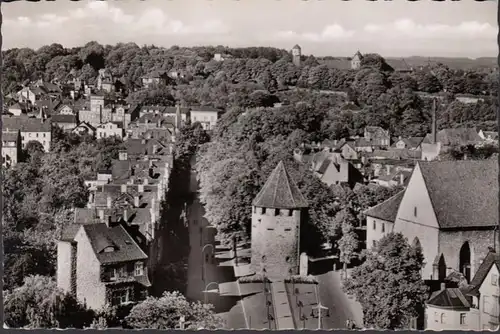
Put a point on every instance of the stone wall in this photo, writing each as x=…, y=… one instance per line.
x=275, y=241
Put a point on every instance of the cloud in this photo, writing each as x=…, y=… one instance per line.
x=95, y=16
x=408, y=28
x=330, y=32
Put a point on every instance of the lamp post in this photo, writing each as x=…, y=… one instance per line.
x=203, y=260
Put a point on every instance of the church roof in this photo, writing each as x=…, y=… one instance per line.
x=280, y=191
x=463, y=193
x=388, y=209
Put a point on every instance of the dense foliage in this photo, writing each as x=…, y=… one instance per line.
x=166, y=312
x=38, y=303
x=39, y=195
x=390, y=276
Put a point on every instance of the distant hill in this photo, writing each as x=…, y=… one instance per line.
x=454, y=63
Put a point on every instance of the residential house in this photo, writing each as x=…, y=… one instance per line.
x=105, y=81
x=155, y=78
x=170, y=113
x=411, y=143
x=31, y=129
x=48, y=105
x=380, y=167
x=65, y=109
x=454, y=230
x=336, y=170
x=222, y=57
x=31, y=94
x=103, y=177
x=19, y=108
x=380, y=219
x=64, y=121
x=392, y=179
x=148, y=109
x=356, y=61
x=101, y=264
x=125, y=114
x=347, y=149
x=207, y=116
x=11, y=148
x=110, y=129
x=84, y=128
x=138, y=148
x=446, y=139
x=363, y=145
x=469, y=307
x=377, y=136
x=488, y=135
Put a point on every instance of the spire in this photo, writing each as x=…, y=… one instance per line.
x=280, y=192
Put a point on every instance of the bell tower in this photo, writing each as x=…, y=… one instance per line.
x=296, y=54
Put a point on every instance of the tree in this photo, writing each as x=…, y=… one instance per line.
x=165, y=313
x=390, y=276
x=40, y=304
x=348, y=243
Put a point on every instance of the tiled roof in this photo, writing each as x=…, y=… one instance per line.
x=280, y=191
x=145, y=147
x=458, y=136
x=447, y=183
x=69, y=232
x=63, y=119
x=388, y=209
x=151, y=118
x=411, y=142
x=102, y=237
x=25, y=124
x=491, y=259
x=449, y=298
x=10, y=136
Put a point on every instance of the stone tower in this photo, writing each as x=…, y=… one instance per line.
x=296, y=53
x=356, y=61
x=276, y=216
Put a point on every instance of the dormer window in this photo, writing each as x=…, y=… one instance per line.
x=109, y=249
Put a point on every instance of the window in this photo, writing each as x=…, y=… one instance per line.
x=436, y=317
x=123, y=271
x=287, y=229
x=494, y=310
x=415, y=211
x=494, y=279
x=383, y=228
x=276, y=212
x=113, y=274
x=486, y=304
x=290, y=213
x=374, y=225
x=263, y=211
x=374, y=243
x=463, y=317
x=120, y=297
x=270, y=229
x=443, y=318
x=139, y=269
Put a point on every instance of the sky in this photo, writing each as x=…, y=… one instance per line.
x=397, y=28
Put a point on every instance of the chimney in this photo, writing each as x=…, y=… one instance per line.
x=108, y=202
x=136, y=201
x=434, y=127
x=125, y=215
x=402, y=178
x=124, y=188
x=140, y=188
x=443, y=286
x=388, y=169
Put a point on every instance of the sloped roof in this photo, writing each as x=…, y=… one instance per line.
x=463, y=193
x=63, y=119
x=449, y=298
x=69, y=232
x=173, y=110
x=492, y=134
x=458, y=136
x=25, y=124
x=10, y=136
x=491, y=259
x=280, y=191
x=388, y=209
x=102, y=236
x=411, y=142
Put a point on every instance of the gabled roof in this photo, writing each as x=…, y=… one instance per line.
x=86, y=125
x=411, y=142
x=102, y=237
x=296, y=46
x=489, y=261
x=449, y=298
x=25, y=124
x=280, y=191
x=447, y=183
x=388, y=209
x=63, y=119
x=9, y=136
x=458, y=136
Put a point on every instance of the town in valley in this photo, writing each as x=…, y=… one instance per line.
x=215, y=187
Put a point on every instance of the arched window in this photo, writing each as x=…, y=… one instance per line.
x=465, y=261
x=416, y=243
x=443, y=318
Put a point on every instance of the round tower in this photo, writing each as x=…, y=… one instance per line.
x=296, y=54
x=276, y=218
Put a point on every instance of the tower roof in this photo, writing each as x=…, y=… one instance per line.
x=280, y=192
x=296, y=47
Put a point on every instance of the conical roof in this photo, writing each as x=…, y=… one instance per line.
x=280, y=192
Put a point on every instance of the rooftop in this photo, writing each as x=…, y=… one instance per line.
x=280, y=191
x=388, y=209
x=25, y=124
